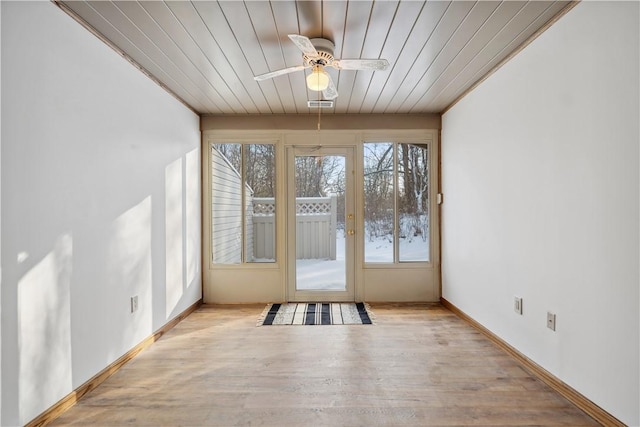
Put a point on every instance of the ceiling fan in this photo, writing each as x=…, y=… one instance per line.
x=317, y=54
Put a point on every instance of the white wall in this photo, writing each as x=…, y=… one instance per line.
x=0, y=227
x=100, y=201
x=540, y=177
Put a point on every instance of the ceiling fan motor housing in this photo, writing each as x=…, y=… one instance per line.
x=325, y=53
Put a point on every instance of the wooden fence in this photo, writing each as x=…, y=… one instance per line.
x=315, y=227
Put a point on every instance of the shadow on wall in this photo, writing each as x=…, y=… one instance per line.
x=182, y=229
x=44, y=323
x=90, y=216
x=72, y=300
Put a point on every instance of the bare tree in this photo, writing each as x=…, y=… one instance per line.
x=414, y=171
x=319, y=176
x=258, y=161
x=378, y=189
x=414, y=190
x=259, y=166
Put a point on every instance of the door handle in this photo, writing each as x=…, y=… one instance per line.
x=351, y=232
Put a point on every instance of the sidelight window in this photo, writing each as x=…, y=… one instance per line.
x=396, y=202
x=243, y=207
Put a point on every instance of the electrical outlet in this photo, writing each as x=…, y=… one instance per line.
x=551, y=321
x=517, y=305
x=134, y=303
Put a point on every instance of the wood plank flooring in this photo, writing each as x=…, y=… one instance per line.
x=419, y=365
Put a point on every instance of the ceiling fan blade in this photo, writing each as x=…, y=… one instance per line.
x=330, y=92
x=279, y=72
x=304, y=44
x=360, y=64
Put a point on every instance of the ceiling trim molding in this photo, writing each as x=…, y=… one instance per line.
x=327, y=122
x=516, y=51
x=120, y=52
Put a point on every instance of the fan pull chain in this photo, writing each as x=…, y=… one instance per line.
x=319, y=111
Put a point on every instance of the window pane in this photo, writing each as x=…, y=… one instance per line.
x=413, y=202
x=238, y=169
x=260, y=208
x=320, y=219
x=378, y=202
x=226, y=204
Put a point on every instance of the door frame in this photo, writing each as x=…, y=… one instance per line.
x=292, y=293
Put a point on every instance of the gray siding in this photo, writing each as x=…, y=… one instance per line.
x=226, y=206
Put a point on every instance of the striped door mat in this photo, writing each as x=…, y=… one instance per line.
x=316, y=314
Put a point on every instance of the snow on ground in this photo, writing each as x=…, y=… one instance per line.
x=321, y=274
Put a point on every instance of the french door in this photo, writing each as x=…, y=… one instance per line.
x=320, y=224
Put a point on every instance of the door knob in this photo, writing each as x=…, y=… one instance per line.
x=351, y=232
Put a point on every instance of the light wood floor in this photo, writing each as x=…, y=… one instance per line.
x=419, y=365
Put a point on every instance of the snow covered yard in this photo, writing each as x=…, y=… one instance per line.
x=329, y=275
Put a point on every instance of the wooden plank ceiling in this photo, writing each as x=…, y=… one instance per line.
x=207, y=52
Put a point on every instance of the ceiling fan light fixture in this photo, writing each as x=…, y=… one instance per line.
x=318, y=53
x=318, y=80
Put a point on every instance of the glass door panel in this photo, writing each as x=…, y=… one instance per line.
x=321, y=220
